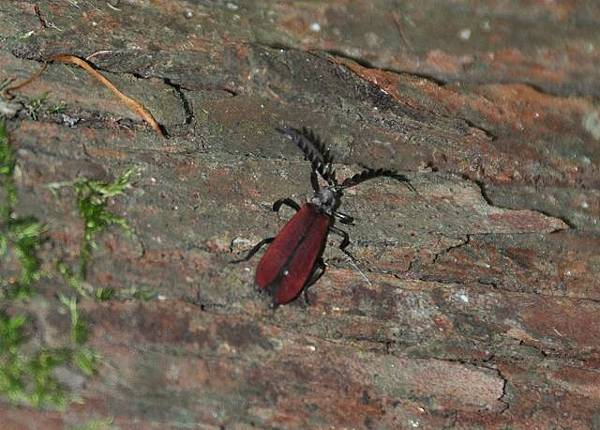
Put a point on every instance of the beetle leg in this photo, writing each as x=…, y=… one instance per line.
x=345, y=241
x=314, y=277
x=285, y=201
x=344, y=218
x=343, y=245
x=254, y=250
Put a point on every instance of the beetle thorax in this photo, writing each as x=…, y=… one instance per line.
x=327, y=200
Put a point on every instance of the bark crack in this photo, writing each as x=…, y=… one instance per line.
x=187, y=106
x=445, y=251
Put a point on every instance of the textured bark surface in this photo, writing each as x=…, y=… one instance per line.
x=484, y=294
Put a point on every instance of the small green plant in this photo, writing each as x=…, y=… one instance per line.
x=24, y=378
x=27, y=374
x=22, y=235
x=28, y=379
x=7, y=169
x=79, y=331
x=86, y=359
x=34, y=105
x=104, y=294
x=57, y=108
x=92, y=201
x=27, y=370
x=98, y=424
x=145, y=294
x=81, y=287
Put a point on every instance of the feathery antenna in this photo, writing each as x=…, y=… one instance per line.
x=314, y=151
x=375, y=173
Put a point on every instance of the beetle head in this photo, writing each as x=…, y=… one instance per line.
x=327, y=199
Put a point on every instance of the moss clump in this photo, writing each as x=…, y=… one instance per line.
x=21, y=235
x=28, y=378
x=92, y=197
x=7, y=169
x=27, y=370
x=92, y=201
x=34, y=105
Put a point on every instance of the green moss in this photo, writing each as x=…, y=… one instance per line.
x=86, y=360
x=92, y=199
x=83, y=357
x=144, y=294
x=46, y=390
x=79, y=330
x=104, y=294
x=24, y=377
x=92, y=202
x=99, y=424
x=21, y=235
x=27, y=370
x=24, y=235
x=26, y=373
x=34, y=105
x=57, y=108
x=28, y=379
x=7, y=169
x=73, y=280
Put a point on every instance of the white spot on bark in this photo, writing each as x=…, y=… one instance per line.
x=465, y=34
x=462, y=296
x=591, y=123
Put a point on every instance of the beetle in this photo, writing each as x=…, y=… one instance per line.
x=293, y=260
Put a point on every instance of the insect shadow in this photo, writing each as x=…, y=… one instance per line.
x=293, y=260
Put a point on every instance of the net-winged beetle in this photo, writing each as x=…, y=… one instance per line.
x=293, y=259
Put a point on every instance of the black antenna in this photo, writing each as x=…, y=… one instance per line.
x=367, y=174
x=314, y=151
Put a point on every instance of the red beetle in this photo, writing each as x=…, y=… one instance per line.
x=293, y=260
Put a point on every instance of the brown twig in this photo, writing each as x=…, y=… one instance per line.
x=134, y=105
x=6, y=92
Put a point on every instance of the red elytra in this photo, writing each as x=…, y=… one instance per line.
x=288, y=263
